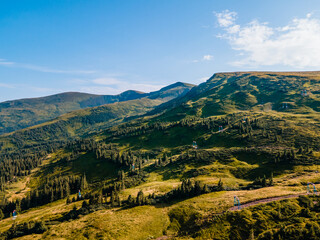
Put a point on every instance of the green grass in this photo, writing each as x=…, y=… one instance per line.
x=94, y=169
x=235, y=158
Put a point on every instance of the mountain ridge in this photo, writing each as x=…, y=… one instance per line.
x=250, y=135
x=23, y=113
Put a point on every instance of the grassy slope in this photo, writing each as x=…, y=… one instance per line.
x=19, y=114
x=301, y=125
x=91, y=120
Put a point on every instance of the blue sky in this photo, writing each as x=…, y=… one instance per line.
x=109, y=46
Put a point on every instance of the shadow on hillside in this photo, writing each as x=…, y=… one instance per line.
x=95, y=169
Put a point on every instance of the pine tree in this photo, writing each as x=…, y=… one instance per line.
x=84, y=183
x=85, y=204
x=220, y=185
x=118, y=200
x=197, y=188
x=271, y=180
x=67, y=190
x=52, y=196
x=264, y=181
x=140, y=198
x=205, y=188
x=122, y=178
x=112, y=199
x=130, y=200
x=1, y=214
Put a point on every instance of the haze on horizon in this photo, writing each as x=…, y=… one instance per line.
x=107, y=47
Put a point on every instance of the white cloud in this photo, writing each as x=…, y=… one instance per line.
x=43, y=89
x=207, y=57
x=145, y=87
x=5, y=62
x=38, y=68
x=100, y=90
x=52, y=70
x=5, y=85
x=106, y=81
x=226, y=18
x=296, y=44
x=201, y=80
x=112, y=85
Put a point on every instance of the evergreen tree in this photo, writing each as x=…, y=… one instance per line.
x=197, y=188
x=130, y=200
x=112, y=199
x=271, y=180
x=85, y=204
x=264, y=181
x=52, y=196
x=1, y=214
x=220, y=185
x=84, y=183
x=118, y=200
x=67, y=190
x=140, y=198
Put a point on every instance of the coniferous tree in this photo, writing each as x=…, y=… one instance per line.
x=1, y=215
x=197, y=188
x=271, y=180
x=84, y=183
x=118, y=200
x=220, y=185
x=52, y=196
x=140, y=198
x=85, y=204
x=112, y=199
x=67, y=190
x=264, y=181
x=130, y=200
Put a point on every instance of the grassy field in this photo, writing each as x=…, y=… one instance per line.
x=260, y=139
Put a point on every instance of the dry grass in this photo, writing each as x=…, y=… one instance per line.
x=137, y=223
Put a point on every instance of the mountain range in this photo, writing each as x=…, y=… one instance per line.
x=19, y=114
x=171, y=164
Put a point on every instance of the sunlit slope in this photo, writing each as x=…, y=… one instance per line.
x=18, y=114
x=263, y=136
x=83, y=122
x=296, y=92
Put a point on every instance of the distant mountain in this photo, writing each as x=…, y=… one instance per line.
x=90, y=120
x=19, y=114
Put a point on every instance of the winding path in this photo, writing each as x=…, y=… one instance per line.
x=249, y=204
x=266, y=200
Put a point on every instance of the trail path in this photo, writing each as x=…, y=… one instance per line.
x=266, y=200
x=249, y=204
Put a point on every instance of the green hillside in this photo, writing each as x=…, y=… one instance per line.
x=90, y=120
x=257, y=137
x=226, y=93
x=19, y=114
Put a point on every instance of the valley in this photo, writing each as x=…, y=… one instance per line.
x=141, y=176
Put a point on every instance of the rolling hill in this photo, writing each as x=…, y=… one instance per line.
x=228, y=92
x=142, y=176
x=19, y=114
x=82, y=122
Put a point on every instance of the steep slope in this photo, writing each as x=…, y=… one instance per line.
x=229, y=92
x=90, y=120
x=23, y=113
x=268, y=146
